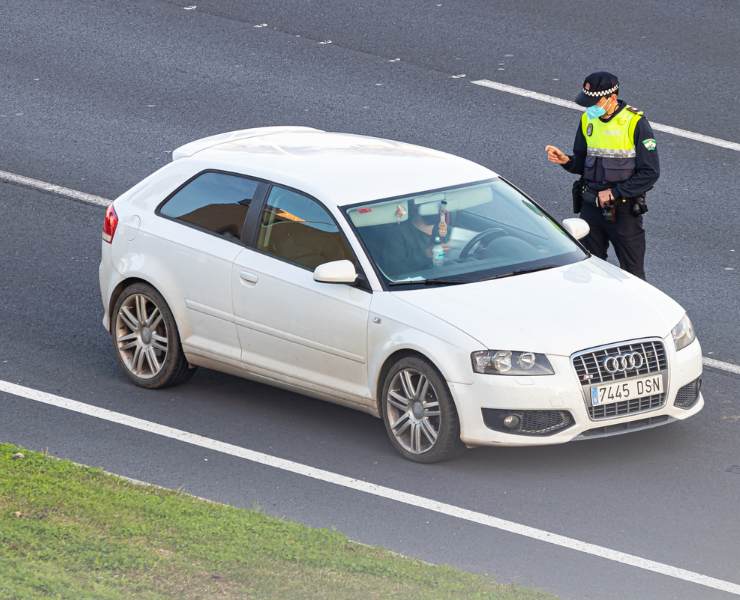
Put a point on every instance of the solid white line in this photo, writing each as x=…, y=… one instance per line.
x=691, y=135
x=37, y=184
x=720, y=364
x=371, y=488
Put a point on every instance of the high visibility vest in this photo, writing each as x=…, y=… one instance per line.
x=612, y=144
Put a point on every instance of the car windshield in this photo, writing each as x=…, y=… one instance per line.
x=460, y=235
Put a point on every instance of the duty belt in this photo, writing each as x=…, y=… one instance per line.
x=593, y=197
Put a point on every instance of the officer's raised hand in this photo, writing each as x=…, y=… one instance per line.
x=556, y=155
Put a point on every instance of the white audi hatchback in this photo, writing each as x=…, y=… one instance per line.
x=402, y=281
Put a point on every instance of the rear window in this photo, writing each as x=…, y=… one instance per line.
x=216, y=202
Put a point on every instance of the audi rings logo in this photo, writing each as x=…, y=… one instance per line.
x=623, y=362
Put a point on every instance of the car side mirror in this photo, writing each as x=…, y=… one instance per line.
x=337, y=271
x=576, y=227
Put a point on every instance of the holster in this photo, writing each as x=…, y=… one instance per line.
x=639, y=205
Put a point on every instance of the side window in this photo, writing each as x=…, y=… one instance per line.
x=213, y=201
x=297, y=229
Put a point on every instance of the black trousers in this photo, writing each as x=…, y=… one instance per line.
x=626, y=235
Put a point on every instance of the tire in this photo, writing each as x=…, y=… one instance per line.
x=425, y=430
x=146, y=340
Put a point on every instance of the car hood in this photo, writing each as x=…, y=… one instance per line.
x=556, y=311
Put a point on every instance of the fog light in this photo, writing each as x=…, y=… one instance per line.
x=512, y=421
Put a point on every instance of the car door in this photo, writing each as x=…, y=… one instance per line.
x=292, y=328
x=199, y=238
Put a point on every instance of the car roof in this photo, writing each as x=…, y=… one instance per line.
x=338, y=168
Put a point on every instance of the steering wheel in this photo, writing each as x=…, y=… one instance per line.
x=478, y=239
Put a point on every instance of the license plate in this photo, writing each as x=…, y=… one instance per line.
x=626, y=390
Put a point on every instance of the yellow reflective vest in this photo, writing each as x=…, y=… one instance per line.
x=612, y=143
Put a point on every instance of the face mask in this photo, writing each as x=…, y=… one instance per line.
x=595, y=111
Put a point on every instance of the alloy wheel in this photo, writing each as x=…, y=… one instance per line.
x=412, y=408
x=141, y=336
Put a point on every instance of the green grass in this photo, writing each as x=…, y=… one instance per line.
x=68, y=531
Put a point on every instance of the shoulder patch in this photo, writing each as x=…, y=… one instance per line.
x=637, y=111
x=650, y=144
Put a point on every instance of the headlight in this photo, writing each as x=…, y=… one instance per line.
x=508, y=362
x=683, y=333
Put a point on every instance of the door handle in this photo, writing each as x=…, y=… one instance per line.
x=249, y=277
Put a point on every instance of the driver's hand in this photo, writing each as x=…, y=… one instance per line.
x=556, y=155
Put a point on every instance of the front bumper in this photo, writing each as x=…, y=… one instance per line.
x=563, y=392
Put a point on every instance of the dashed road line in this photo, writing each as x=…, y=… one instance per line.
x=37, y=184
x=690, y=135
x=373, y=489
x=720, y=364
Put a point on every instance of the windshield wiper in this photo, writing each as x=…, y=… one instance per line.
x=523, y=271
x=442, y=281
x=439, y=281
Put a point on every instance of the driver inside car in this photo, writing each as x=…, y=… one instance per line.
x=407, y=246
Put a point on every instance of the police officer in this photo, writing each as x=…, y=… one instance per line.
x=616, y=155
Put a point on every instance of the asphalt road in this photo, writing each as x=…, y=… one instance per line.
x=96, y=95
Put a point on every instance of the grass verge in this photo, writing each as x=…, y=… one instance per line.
x=68, y=531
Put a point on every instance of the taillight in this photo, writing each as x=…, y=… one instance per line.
x=109, y=224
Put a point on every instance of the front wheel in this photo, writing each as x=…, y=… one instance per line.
x=419, y=413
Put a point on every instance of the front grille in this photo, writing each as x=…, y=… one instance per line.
x=531, y=422
x=688, y=394
x=590, y=364
x=626, y=407
x=592, y=368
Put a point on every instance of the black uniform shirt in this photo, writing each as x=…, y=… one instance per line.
x=647, y=167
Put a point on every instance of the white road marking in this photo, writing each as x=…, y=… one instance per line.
x=691, y=135
x=37, y=184
x=720, y=364
x=367, y=487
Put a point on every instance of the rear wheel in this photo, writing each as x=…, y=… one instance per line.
x=146, y=339
x=419, y=413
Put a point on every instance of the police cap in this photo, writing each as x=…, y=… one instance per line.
x=596, y=86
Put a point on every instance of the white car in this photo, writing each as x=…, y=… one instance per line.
x=405, y=282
